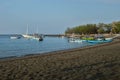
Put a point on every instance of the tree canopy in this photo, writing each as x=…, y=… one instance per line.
x=113, y=27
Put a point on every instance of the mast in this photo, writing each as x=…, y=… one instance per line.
x=37, y=29
x=27, y=29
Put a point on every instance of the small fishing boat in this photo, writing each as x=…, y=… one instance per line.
x=76, y=40
x=37, y=37
x=108, y=38
x=15, y=37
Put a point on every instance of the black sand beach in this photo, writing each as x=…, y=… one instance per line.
x=92, y=63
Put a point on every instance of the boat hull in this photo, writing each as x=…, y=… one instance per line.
x=99, y=41
x=15, y=37
x=26, y=36
x=77, y=40
x=39, y=38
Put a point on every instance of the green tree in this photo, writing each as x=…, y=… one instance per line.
x=95, y=28
x=108, y=28
x=116, y=27
x=100, y=30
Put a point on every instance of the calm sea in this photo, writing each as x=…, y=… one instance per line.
x=21, y=47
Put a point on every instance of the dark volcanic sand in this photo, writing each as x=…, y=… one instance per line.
x=96, y=63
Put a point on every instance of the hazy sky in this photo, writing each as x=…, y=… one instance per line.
x=54, y=16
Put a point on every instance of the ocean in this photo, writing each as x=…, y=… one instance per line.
x=21, y=47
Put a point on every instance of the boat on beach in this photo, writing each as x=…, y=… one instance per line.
x=100, y=40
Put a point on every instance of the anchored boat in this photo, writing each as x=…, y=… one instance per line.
x=76, y=40
x=32, y=36
x=15, y=37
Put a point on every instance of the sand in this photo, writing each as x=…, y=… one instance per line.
x=101, y=62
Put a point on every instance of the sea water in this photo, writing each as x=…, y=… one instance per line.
x=21, y=47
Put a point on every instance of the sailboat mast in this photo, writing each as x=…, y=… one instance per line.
x=27, y=29
x=37, y=29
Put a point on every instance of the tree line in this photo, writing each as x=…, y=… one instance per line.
x=113, y=27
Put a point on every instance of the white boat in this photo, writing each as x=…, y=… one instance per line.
x=32, y=36
x=37, y=38
x=76, y=40
x=27, y=35
x=108, y=38
x=15, y=37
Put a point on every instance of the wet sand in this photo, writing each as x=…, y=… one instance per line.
x=101, y=62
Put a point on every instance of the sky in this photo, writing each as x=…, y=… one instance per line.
x=54, y=16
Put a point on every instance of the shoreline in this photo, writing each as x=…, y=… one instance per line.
x=59, y=51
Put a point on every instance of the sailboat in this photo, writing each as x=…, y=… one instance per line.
x=27, y=35
x=33, y=36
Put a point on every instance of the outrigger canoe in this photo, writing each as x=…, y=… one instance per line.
x=101, y=41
